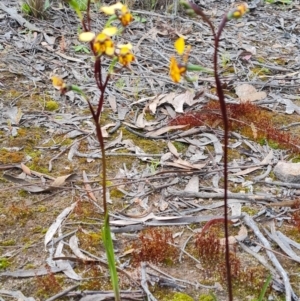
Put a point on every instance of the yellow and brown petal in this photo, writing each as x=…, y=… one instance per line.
x=103, y=45
x=125, y=16
x=121, y=11
x=176, y=71
x=58, y=83
x=125, y=55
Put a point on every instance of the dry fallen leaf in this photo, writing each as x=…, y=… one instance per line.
x=248, y=92
x=60, y=181
x=173, y=149
x=242, y=235
x=25, y=169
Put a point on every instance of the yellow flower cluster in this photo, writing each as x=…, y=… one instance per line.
x=120, y=10
x=179, y=69
x=103, y=44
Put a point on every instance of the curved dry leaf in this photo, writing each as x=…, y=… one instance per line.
x=248, y=92
x=60, y=218
x=158, y=101
x=164, y=130
x=73, y=244
x=60, y=181
x=26, y=169
x=26, y=187
x=173, y=149
x=140, y=121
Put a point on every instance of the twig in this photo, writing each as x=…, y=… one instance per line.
x=63, y=293
x=183, y=248
x=144, y=282
x=251, y=224
x=208, y=195
x=180, y=280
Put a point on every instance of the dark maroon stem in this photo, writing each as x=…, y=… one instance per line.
x=220, y=93
x=96, y=114
x=97, y=73
x=88, y=17
x=226, y=129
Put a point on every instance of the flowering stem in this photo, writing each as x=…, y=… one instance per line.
x=96, y=113
x=220, y=93
x=226, y=128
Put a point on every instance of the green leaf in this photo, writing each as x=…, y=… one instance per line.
x=110, y=20
x=191, y=67
x=112, y=64
x=140, y=19
x=81, y=48
x=74, y=4
x=109, y=248
x=264, y=289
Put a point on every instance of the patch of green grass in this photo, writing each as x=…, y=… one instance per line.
x=9, y=242
x=51, y=105
x=4, y=263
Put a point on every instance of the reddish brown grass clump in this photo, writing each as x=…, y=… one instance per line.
x=47, y=285
x=212, y=256
x=154, y=245
x=247, y=118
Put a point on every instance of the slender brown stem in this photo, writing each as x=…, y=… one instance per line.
x=220, y=93
x=97, y=73
x=96, y=114
x=226, y=128
x=88, y=10
x=101, y=100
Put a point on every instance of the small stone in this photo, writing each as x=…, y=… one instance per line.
x=287, y=172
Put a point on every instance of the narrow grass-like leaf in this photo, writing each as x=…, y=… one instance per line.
x=109, y=248
x=75, y=6
x=264, y=289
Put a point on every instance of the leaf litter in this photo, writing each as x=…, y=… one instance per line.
x=175, y=185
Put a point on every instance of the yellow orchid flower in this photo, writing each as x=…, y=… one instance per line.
x=239, y=11
x=125, y=55
x=120, y=10
x=176, y=70
x=125, y=16
x=58, y=83
x=103, y=43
